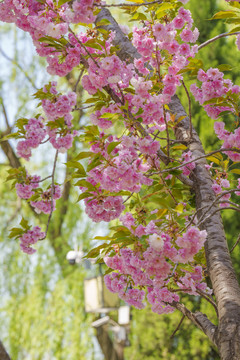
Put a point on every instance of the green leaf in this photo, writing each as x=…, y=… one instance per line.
x=108, y=271
x=93, y=45
x=96, y=251
x=102, y=238
x=107, y=115
x=24, y=224
x=235, y=171
x=224, y=15
x=237, y=28
x=83, y=155
x=83, y=195
x=112, y=146
x=15, y=232
x=94, y=163
x=213, y=159
x=61, y=2
x=84, y=183
x=138, y=16
x=103, y=22
x=224, y=67
x=163, y=7
x=179, y=147
x=179, y=208
x=76, y=165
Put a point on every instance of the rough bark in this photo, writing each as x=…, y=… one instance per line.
x=224, y=282
x=3, y=353
x=219, y=264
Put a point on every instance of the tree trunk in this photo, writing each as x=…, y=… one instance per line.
x=223, y=278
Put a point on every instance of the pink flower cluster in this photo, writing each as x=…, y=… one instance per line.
x=55, y=106
x=35, y=133
x=150, y=269
x=43, y=19
x=138, y=230
x=231, y=140
x=187, y=156
x=100, y=208
x=29, y=238
x=165, y=38
x=124, y=171
x=25, y=190
x=218, y=186
x=190, y=244
x=46, y=205
x=98, y=118
x=213, y=86
x=109, y=71
x=59, y=105
x=80, y=11
x=192, y=282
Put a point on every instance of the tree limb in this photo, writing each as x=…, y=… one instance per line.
x=200, y=320
x=3, y=353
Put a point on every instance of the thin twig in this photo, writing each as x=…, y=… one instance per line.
x=78, y=80
x=235, y=244
x=192, y=219
x=126, y=4
x=193, y=160
x=178, y=327
x=216, y=38
x=217, y=210
x=172, y=273
x=47, y=177
x=128, y=198
x=83, y=108
x=189, y=109
x=206, y=297
x=216, y=200
x=167, y=131
x=83, y=46
x=52, y=190
x=228, y=202
x=168, y=189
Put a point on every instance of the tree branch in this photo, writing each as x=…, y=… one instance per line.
x=3, y=353
x=216, y=38
x=200, y=320
x=235, y=244
x=126, y=4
